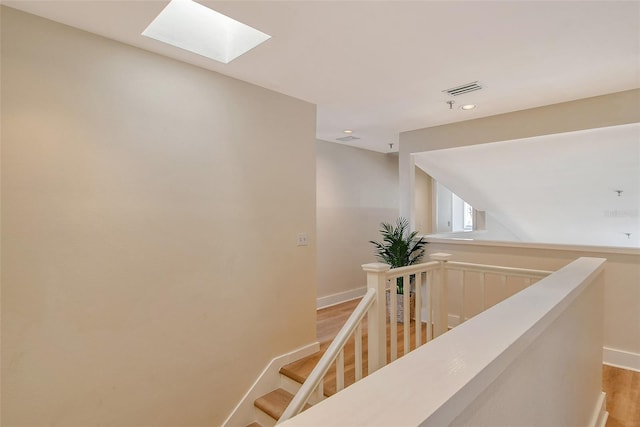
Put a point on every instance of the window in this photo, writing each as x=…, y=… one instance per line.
x=453, y=214
x=468, y=217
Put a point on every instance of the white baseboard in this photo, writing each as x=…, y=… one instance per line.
x=600, y=414
x=269, y=379
x=329, y=300
x=621, y=359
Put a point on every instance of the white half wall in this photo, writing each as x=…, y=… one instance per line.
x=356, y=191
x=150, y=211
x=621, y=290
x=557, y=379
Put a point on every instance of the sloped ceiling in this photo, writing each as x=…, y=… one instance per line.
x=554, y=189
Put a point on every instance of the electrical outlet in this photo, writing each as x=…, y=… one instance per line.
x=303, y=239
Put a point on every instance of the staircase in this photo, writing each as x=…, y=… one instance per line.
x=351, y=353
x=269, y=407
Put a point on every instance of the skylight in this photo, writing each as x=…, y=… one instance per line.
x=191, y=26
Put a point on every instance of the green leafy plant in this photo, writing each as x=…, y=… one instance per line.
x=399, y=248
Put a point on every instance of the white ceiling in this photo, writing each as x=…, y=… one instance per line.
x=379, y=68
x=565, y=191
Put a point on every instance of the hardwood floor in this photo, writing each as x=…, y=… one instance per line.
x=329, y=320
x=623, y=396
x=622, y=386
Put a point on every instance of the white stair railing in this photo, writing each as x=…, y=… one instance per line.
x=425, y=293
x=335, y=353
x=424, y=281
x=515, y=339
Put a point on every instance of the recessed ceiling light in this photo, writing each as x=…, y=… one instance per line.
x=468, y=107
x=347, y=131
x=191, y=26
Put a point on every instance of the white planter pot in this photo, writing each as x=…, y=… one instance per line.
x=400, y=306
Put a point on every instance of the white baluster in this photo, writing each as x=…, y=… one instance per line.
x=482, y=294
x=503, y=283
x=358, y=351
x=340, y=371
x=406, y=304
x=418, y=310
x=393, y=320
x=464, y=293
x=320, y=391
x=441, y=303
x=430, y=306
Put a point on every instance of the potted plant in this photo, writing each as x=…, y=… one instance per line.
x=399, y=248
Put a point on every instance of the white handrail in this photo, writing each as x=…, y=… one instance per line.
x=318, y=373
x=412, y=269
x=510, y=271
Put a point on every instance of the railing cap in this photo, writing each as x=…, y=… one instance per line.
x=440, y=256
x=376, y=267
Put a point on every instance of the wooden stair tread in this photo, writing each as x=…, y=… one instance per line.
x=300, y=370
x=275, y=402
x=329, y=322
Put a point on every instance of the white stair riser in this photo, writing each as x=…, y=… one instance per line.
x=286, y=383
x=293, y=386
x=263, y=419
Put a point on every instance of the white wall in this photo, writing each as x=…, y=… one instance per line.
x=149, y=218
x=356, y=191
x=621, y=292
x=423, y=202
x=444, y=208
x=553, y=188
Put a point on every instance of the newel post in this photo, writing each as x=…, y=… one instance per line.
x=377, y=317
x=441, y=297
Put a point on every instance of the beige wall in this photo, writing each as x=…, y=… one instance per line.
x=621, y=287
x=423, y=202
x=149, y=218
x=589, y=113
x=356, y=190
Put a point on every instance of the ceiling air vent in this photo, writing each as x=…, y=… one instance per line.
x=347, y=138
x=459, y=90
